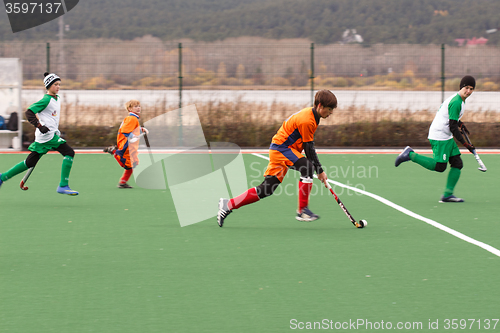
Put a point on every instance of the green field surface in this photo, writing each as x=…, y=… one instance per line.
x=115, y=260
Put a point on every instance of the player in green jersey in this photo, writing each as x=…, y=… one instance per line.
x=44, y=115
x=446, y=126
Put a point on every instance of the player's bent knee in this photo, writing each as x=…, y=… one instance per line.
x=456, y=162
x=32, y=159
x=305, y=167
x=66, y=150
x=267, y=187
x=70, y=153
x=440, y=167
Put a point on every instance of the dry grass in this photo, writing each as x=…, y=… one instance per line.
x=238, y=111
x=254, y=124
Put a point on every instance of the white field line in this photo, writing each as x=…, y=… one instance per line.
x=403, y=210
x=261, y=156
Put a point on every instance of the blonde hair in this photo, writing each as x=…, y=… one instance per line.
x=130, y=104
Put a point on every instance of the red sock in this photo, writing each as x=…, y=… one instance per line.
x=246, y=198
x=304, y=191
x=126, y=176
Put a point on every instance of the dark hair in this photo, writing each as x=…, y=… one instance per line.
x=326, y=98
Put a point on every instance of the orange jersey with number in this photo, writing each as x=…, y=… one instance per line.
x=297, y=129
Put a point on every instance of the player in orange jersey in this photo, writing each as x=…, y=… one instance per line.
x=295, y=135
x=125, y=151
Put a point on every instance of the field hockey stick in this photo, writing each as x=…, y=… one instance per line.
x=360, y=224
x=149, y=147
x=25, y=179
x=482, y=167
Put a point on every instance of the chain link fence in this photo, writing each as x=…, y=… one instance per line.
x=271, y=64
x=254, y=79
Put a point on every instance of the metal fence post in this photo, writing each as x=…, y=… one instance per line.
x=442, y=73
x=48, y=57
x=180, y=95
x=312, y=74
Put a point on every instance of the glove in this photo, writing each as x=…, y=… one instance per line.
x=133, y=138
x=469, y=146
x=144, y=130
x=463, y=128
x=42, y=128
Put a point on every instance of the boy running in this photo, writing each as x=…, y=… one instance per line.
x=444, y=127
x=125, y=151
x=44, y=115
x=296, y=134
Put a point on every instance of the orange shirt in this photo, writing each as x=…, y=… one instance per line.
x=129, y=124
x=297, y=129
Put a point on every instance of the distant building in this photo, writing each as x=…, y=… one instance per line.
x=471, y=42
x=351, y=36
x=441, y=12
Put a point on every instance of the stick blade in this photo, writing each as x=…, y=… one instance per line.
x=21, y=185
x=25, y=179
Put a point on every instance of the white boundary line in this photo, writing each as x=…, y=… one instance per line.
x=403, y=210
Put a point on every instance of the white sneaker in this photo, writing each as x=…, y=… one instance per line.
x=451, y=198
x=224, y=211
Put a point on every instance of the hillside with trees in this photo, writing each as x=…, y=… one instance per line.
x=321, y=21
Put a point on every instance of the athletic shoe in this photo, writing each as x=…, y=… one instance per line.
x=111, y=149
x=404, y=156
x=66, y=190
x=124, y=186
x=451, y=198
x=306, y=215
x=224, y=211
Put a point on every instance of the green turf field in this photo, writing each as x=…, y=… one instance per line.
x=112, y=260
